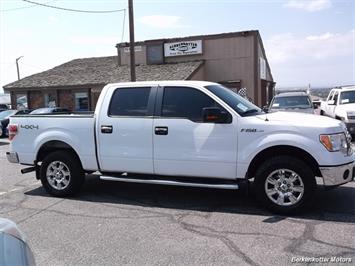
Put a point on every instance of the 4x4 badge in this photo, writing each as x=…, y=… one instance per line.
x=29, y=126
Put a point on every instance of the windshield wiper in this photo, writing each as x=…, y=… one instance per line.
x=250, y=111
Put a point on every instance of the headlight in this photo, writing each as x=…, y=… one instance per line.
x=335, y=142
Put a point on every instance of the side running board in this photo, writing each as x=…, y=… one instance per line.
x=206, y=184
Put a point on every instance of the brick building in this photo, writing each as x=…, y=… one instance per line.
x=236, y=60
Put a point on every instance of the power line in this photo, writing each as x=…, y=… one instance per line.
x=23, y=7
x=75, y=10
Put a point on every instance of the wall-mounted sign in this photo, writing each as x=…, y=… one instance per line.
x=136, y=49
x=262, y=66
x=183, y=48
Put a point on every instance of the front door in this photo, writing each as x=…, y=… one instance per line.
x=186, y=146
x=125, y=138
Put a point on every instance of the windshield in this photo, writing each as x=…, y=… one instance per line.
x=41, y=111
x=347, y=97
x=234, y=100
x=291, y=102
x=6, y=114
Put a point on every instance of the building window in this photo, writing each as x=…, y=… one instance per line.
x=155, y=54
x=50, y=99
x=81, y=101
x=21, y=101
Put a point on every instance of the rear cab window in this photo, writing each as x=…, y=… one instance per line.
x=132, y=102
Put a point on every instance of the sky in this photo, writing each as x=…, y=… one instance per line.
x=306, y=41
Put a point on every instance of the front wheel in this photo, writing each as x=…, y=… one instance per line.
x=61, y=173
x=284, y=184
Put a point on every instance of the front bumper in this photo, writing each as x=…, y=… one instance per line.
x=12, y=157
x=337, y=175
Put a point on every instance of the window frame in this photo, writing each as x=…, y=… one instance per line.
x=330, y=96
x=150, y=104
x=46, y=95
x=159, y=104
x=74, y=92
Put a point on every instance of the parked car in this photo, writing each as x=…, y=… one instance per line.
x=186, y=133
x=50, y=110
x=3, y=107
x=4, y=119
x=340, y=104
x=292, y=102
x=14, y=249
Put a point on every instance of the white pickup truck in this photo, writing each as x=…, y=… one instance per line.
x=340, y=104
x=187, y=133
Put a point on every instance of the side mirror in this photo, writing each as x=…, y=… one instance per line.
x=316, y=104
x=265, y=108
x=216, y=115
x=331, y=102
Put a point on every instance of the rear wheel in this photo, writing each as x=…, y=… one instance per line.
x=284, y=184
x=61, y=173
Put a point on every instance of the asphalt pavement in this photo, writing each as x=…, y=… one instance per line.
x=112, y=223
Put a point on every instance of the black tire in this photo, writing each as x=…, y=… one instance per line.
x=321, y=112
x=70, y=184
x=284, y=167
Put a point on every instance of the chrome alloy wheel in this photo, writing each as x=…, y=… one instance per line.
x=58, y=175
x=284, y=187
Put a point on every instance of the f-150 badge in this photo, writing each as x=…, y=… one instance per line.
x=251, y=130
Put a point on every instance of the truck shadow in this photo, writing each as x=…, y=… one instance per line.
x=337, y=205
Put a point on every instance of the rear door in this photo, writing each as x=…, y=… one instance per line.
x=186, y=146
x=124, y=131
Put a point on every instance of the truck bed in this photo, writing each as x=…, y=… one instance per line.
x=34, y=131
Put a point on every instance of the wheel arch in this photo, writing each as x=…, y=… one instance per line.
x=296, y=152
x=55, y=145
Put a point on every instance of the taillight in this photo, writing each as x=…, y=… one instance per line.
x=12, y=131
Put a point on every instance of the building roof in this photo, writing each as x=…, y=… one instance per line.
x=103, y=70
x=194, y=37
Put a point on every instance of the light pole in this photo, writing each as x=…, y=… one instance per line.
x=18, y=70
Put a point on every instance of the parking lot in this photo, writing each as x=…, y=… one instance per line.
x=112, y=223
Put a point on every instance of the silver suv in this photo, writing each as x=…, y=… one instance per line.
x=292, y=102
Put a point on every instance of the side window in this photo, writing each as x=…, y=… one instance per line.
x=129, y=102
x=183, y=102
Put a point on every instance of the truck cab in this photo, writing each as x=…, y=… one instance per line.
x=340, y=104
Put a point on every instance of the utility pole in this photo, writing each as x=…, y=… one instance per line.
x=18, y=69
x=131, y=40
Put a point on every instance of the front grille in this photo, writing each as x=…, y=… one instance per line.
x=351, y=117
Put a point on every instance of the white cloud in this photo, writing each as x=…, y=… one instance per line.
x=309, y=5
x=163, y=21
x=327, y=57
x=286, y=47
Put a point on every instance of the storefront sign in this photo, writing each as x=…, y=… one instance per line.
x=183, y=48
